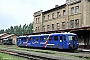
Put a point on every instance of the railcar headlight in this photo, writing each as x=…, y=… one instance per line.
x=69, y=43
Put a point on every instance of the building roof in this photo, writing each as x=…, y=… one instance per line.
x=3, y=34
x=54, y=9
x=7, y=36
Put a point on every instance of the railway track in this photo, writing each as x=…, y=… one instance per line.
x=35, y=56
x=25, y=55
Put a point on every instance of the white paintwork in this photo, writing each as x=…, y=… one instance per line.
x=50, y=44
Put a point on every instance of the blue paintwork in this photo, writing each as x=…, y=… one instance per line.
x=62, y=41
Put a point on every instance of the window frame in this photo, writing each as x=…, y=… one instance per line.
x=64, y=12
x=49, y=17
x=72, y=10
x=44, y=17
x=43, y=27
x=55, y=38
x=77, y=9
x=77, y=23
x=36, y=38
x=50, y=38
x=52, y=15
x=63, y=25
x=52, y=26
x=36, y=20
x=58, y=26
x=58, y=14
x=48, y=27
x=71, y=23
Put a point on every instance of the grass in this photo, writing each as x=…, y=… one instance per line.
x=9, y=57
x=48, y=52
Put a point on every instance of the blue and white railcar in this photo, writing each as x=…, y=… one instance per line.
x=55, y=40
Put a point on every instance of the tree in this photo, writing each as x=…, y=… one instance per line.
x=19, y=30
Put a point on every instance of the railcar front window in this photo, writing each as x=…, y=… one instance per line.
x=72, y=37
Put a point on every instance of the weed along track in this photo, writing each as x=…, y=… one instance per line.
x=40, y=55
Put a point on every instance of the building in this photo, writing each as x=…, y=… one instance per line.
x=3, y=35
x=73, y=16
x=8, y=36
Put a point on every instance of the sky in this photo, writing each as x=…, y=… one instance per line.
x=16, y=12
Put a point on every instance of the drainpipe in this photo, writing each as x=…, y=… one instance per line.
x=67, y=15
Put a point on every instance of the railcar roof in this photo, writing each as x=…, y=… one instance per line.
x=21, y=36
x=64, y=33
x=39, y=35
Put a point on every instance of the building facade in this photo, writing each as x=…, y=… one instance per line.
x=71, y=15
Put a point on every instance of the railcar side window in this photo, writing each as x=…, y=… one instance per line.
x=45, y=38
x=40, y=38
x=36, y=39
x=55, y=37
x=24, y=38
x=31, y=38
x=50, y=38
x=60, y=37
x=64, y=37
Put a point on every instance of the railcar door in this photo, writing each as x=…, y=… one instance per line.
x=73, y=42
x=62, y=42
x=55, y=40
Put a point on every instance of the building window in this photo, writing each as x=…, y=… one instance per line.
x=36, y=20
x=44, y=17
x=48, y=27
x=52, y=26
x=48, y=17
x=36, y=29
x=64, y=12
x=77, y=22
x=72, y=24
x=58, y=14
x=63, y=25
x=77, y=9
x=72, y=10
x=58, y=26
x=44, y=28
x=53, y=16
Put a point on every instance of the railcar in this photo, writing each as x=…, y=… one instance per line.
x=7, y=42
x=54, y=40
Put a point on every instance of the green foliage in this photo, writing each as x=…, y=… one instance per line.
x=19, y=30
x=10, y=57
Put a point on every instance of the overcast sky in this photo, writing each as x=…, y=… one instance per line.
x=16, y=12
